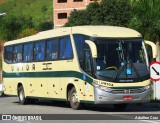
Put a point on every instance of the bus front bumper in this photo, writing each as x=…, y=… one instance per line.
x=103, y=97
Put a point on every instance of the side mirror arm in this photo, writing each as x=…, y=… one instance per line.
x=93, y=48
x=154, y=48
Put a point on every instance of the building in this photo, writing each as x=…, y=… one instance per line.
x=63, y=8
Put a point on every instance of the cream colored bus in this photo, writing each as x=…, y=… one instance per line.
x=84, y=64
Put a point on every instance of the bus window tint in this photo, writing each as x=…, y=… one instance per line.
x=39, y=51
x=28, y=52
x=17, y=56
x=8, y=53
x=65, y=48
x=52, y=49
x=80, y=45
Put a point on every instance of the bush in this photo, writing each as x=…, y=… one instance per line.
x=45, y=26
x=77, y=17
x=11, y=26
x=108, y=12
x=146, y=18
x=27, y=32
x=117, y=12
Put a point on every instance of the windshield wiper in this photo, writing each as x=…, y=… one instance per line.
x=118, y=72
x=135, y=70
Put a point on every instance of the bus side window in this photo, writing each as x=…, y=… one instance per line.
x=17, y=56
x=66, y=48
x=39, y=51
x=8, y=54
x=87, y=61
x=80, y=46
x=52, y=49
x=28, y=52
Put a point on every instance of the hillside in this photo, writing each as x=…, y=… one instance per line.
x=2, y=1
x=39, y=10
x=13, y=25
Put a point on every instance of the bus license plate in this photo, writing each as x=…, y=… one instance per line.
x=127, y=98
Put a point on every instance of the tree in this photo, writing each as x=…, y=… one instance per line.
x=77, y=18
x=27, y=32
x=116, y=12
x=94, y=14
x=45, y=26
x=107, y=12
x=146, y=18
x=11, y=26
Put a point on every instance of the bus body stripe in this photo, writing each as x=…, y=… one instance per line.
x=47, y=74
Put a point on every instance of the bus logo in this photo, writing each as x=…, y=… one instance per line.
x=6, y=117
x=127, y=91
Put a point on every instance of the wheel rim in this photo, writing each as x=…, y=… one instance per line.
x=21, y=95
x=74, y=98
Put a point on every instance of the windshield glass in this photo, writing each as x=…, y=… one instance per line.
x=121, y=60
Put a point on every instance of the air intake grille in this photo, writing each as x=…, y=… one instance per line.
x=127, y=91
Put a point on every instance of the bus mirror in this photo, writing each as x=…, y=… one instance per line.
x=93, y=48
x=154, y=48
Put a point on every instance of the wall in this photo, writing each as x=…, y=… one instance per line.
x=67, y=7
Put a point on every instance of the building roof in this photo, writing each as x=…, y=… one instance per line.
x=93, y=31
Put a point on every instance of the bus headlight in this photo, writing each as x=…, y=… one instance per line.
x=103, y=88
x=147, y=87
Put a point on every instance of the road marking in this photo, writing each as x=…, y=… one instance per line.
x=24, y=121
x=149, y=121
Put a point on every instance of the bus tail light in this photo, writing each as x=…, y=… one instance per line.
x=127, y=98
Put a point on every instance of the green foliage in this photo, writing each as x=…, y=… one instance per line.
x=45, y=26
x=38, y=10
x=23, y=16
x=94, y=14
x=44, y=9
x=141, y=15
x=108, y=12
x=27, y=32
x=116, y=12
x=146, y=18
x=77, y=17
x=11, y=26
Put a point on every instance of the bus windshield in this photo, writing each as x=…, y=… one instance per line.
x=121, y=60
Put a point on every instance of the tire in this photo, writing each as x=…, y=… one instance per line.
x=21, y=95
x=120, y=106
x=73, y=99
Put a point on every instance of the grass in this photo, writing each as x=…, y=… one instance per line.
x=39, y=10
x=155, y=101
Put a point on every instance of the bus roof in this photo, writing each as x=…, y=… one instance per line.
x=93, y=31
x=106, y=31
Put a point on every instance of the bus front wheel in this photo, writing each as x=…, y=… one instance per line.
x=21, y=95
x=73, y=98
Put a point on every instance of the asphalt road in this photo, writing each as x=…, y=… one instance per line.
x=90, y=113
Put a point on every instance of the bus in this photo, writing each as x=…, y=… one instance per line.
x=80, y=65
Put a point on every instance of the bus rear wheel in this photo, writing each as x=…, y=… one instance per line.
x=120, y=106
x=73, y=98
x=21, y=95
